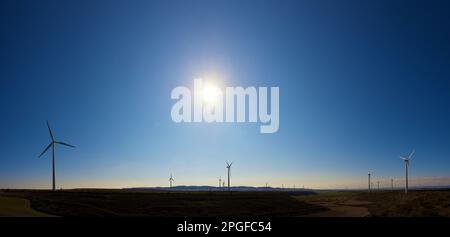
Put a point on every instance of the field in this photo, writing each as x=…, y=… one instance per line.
x=163, y=203
x=426, y=203
x=417, y=203
x=17, y=207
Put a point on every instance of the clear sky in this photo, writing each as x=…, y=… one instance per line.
x=361, y=82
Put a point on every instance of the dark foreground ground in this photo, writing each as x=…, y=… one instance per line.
x=163, y=203
x=417, y=203
x=426, y=203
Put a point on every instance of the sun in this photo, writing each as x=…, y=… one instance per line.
x=211, y=94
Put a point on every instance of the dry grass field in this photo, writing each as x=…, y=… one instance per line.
x=426, y=203
x=165, y=204
x=417, y=203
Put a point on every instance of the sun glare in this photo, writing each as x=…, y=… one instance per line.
x=211, y=94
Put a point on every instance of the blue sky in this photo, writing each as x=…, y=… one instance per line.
x=360, y=84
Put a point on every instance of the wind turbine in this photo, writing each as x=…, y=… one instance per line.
x=229, y=173
x=406, y=159
x=52, y=144
x=171, y=180
x=369, y=181
x=220, y=182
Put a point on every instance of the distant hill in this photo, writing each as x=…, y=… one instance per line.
x=274, y=189
x=213, y=188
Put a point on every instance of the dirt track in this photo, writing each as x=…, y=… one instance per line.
x=18, y=207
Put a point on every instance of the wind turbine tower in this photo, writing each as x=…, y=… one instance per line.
x=171, y=180
x=406, y=160
x=229, y=173
x=369, y=182
x=52, y=144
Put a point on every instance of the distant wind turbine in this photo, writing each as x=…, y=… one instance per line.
x=171, y=180
x=52, y=144
x=220, y=182
x=406, y=159
x=229, y=173
x=369, y=181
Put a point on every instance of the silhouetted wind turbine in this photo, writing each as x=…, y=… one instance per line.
x=229, y=173
x=52, y=144
x=406, y=159
x=171, y=180
x=369, y=181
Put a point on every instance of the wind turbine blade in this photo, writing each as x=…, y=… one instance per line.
x=50, y=131
x=412, y=153
x=65, y=144
x=231, y=164
x=227, y=163
x=49, y=145
x=403, y=158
